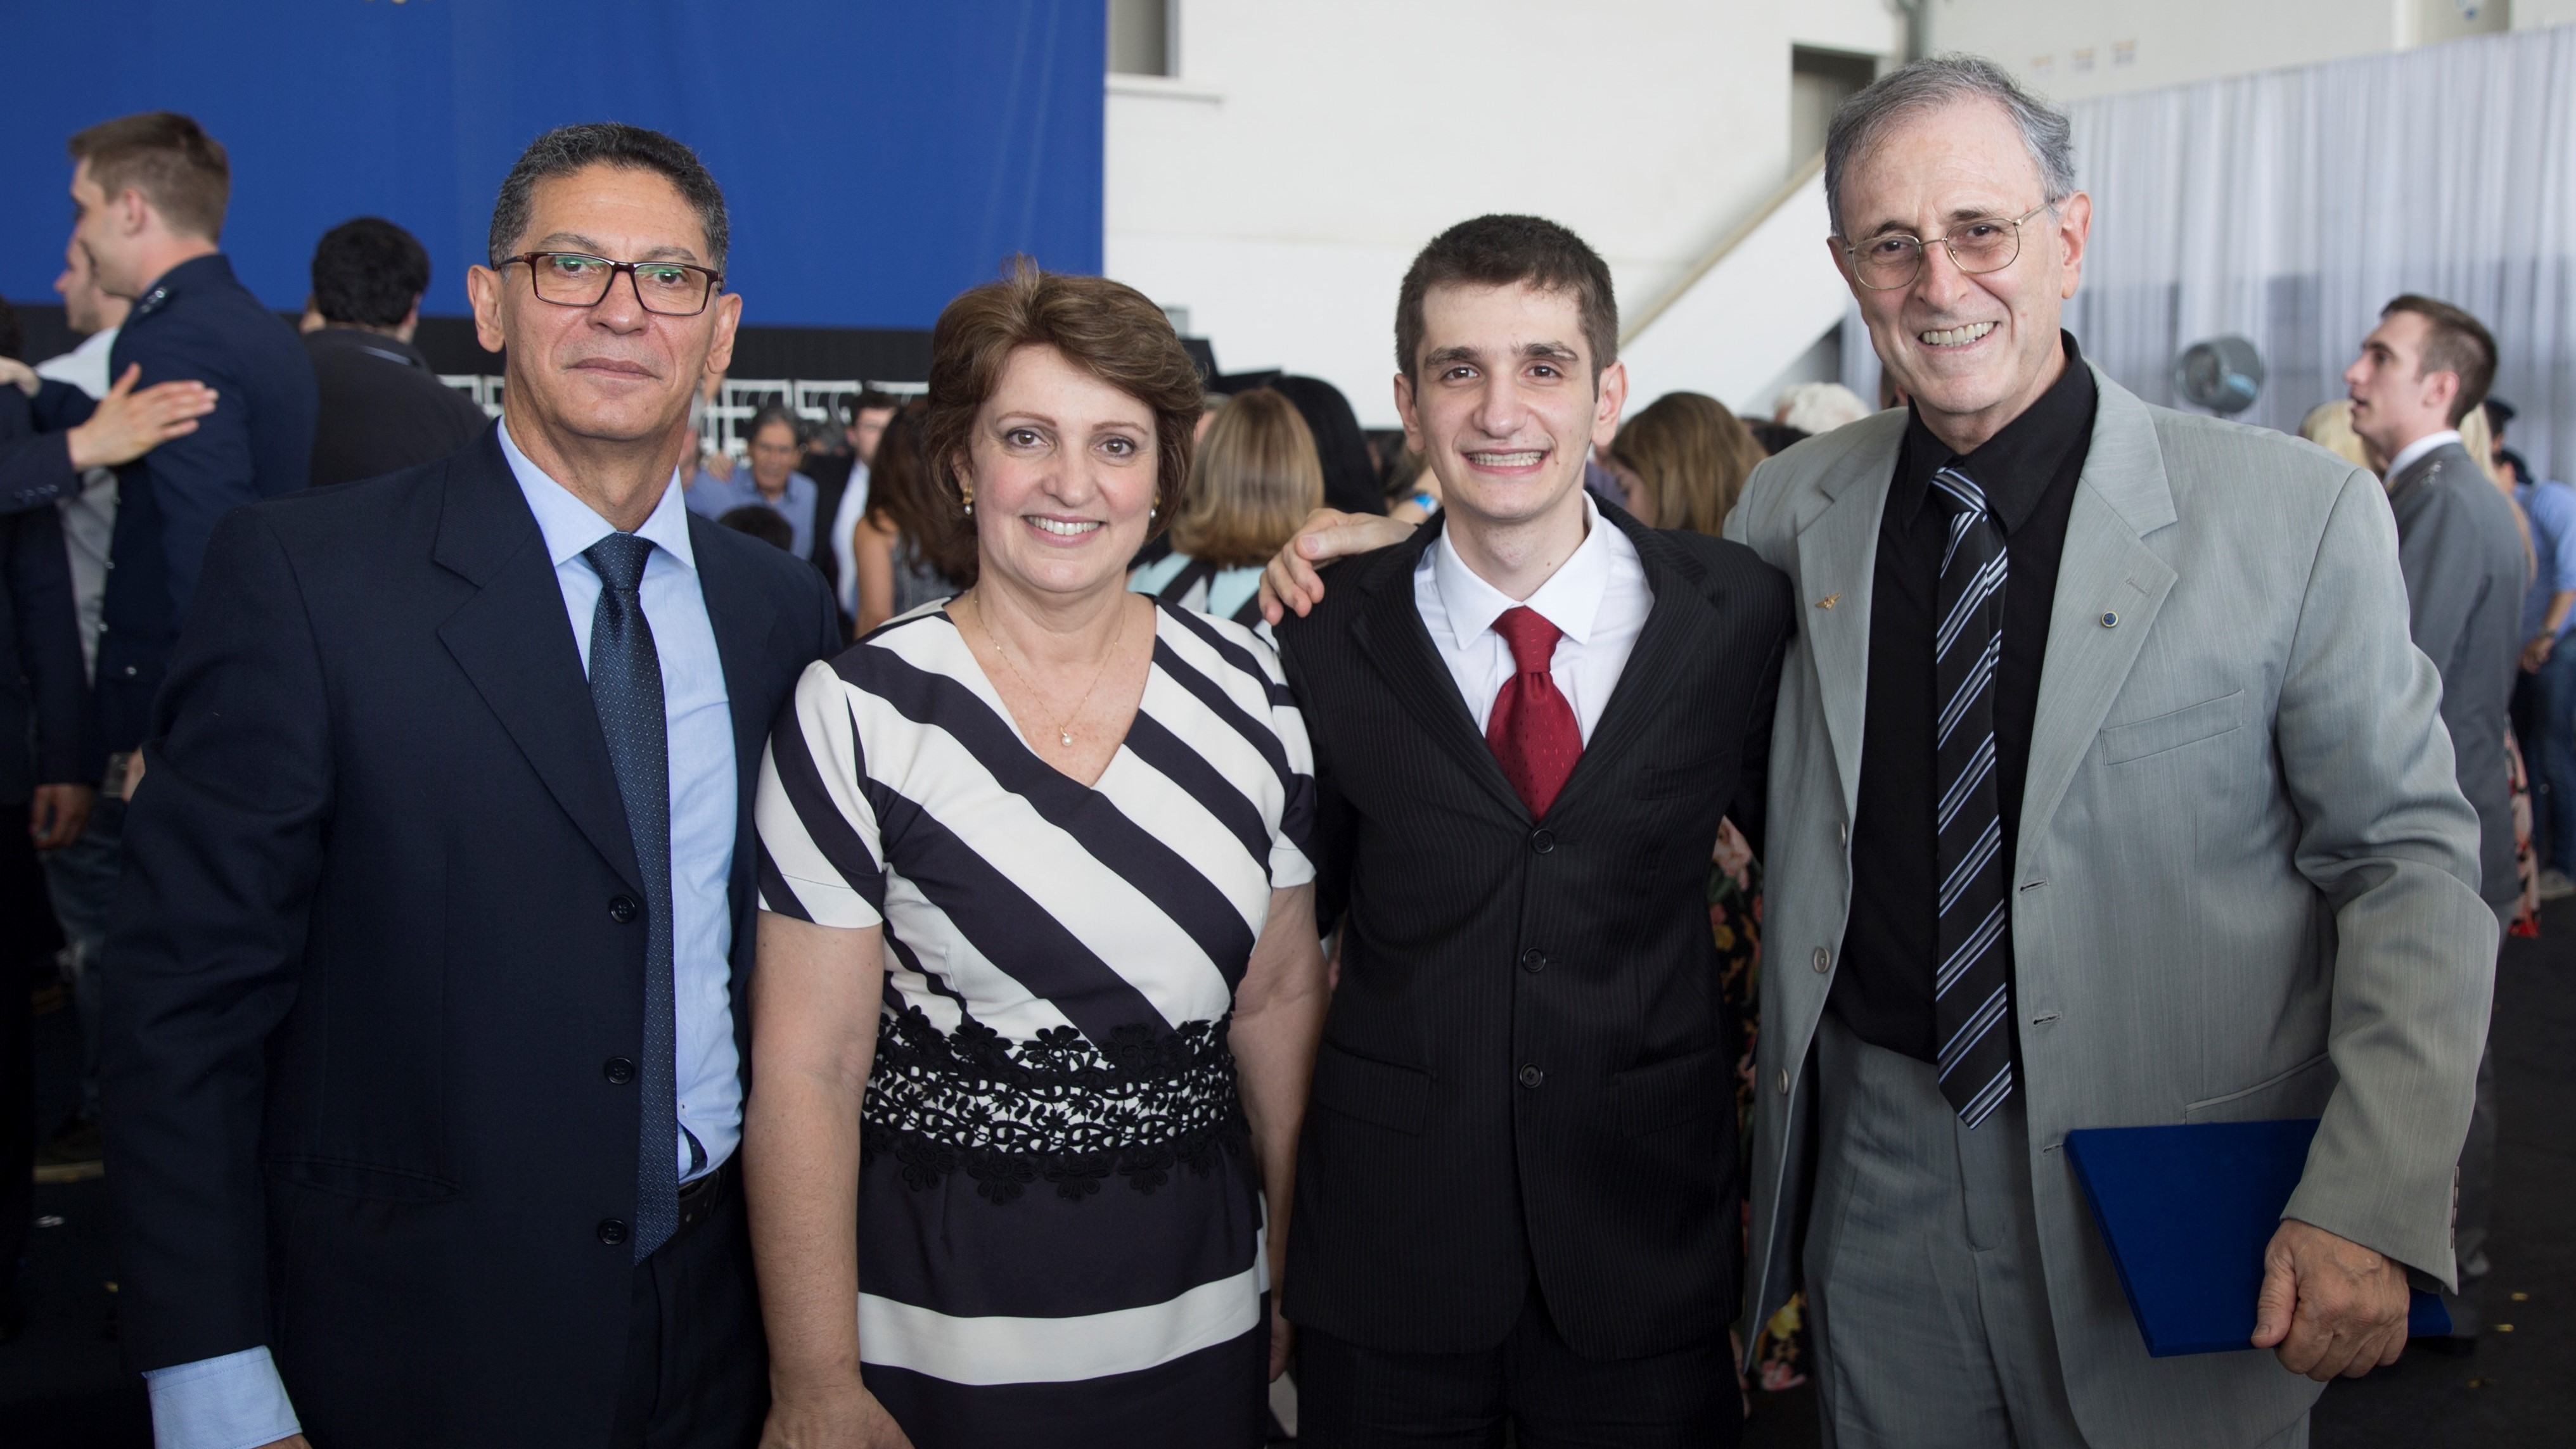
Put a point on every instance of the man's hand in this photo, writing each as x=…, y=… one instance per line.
x=1289, y=581
x=2329, y=1307
x=129, y=424
x=20, y=376
x=845, y=1416
x=57, y=813
x=2536, y=653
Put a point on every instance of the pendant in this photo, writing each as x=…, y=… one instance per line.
x=1066, y=736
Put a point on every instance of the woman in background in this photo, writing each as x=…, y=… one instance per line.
x=1255, y=479
x=912, y=547
x=1682, y=462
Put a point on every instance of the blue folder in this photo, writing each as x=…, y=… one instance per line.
x=2188, y=1211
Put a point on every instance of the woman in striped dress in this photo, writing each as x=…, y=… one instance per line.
x=1031, y=872
x=1255, y=478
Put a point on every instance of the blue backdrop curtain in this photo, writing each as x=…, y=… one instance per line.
x=876, y=157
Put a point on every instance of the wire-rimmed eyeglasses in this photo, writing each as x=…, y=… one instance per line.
x=1894, y=259
x=578, y=279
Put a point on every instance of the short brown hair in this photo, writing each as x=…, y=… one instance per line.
x=903, y=496
x=1501, y=251
x=2456, y=343
x=170, y=159
x=1693, y=456
x=1106, y=328
x=1255, y=479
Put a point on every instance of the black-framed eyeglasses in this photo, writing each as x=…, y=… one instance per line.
x=577, y=279
x=1891, y=260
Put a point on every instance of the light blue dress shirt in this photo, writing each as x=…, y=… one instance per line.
x=237, y=1401
x=2551, y=507
x=711, y=498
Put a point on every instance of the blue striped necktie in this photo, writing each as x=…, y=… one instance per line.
x=1972, y=994
x=626, y=688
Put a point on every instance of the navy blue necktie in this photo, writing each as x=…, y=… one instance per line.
x=626, y=687
x=1972, y=994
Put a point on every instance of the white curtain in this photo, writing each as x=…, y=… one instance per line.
x=2290, y=206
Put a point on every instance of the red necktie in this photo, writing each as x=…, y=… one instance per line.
x=1532, y=729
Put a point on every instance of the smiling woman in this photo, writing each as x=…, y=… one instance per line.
x=1037, y=880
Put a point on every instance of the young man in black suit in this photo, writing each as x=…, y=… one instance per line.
x=383, y=409
x=1517, y=1192
x=423, y=1071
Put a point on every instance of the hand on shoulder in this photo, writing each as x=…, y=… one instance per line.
x=1290, y=581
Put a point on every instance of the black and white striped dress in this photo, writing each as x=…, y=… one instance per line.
x=1060, y=1220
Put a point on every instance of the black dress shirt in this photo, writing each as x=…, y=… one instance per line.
x=382, y=409
x=2028, y=471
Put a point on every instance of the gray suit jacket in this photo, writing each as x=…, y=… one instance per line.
x=2465, y=573
x=2246, y=881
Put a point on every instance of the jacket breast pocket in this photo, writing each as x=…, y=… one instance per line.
x=1380, y=1093
x=1666, y=781
x=2165, y=732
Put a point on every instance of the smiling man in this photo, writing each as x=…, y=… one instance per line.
x=423, y=1068
x=2107, y=790
x=1517, y=1193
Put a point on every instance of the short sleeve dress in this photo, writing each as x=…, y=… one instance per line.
x=1060, y=1218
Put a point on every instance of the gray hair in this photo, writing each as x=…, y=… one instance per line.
x=1931, y=84
x=567, y=149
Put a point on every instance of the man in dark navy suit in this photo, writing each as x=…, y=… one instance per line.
x=150, y=192
x=424, y=1065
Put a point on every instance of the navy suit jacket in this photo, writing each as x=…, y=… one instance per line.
x=195, y=322
x=42, y=692
x=368, y=968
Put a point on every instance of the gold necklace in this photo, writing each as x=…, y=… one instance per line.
x=1064, y=727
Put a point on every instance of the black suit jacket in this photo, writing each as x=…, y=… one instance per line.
x=195, y=322
x=1528, y=1066
x=382, y=409
x=369, y=973
x=44, y=698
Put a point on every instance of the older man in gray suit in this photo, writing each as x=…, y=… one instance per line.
x=2421, y=370
x=2107, y=790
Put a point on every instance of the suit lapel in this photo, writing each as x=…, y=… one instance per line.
x=1391, y=633
x=514, y=642
x=746, y=622
x=1837, y=563
x=1671, y=630
x=2110, y=587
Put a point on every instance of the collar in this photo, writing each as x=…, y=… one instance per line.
x=376, y=344
x=1570, y=599
x=570, y=525
x=191, y=276
x=2016, y=465
x=2409, y=455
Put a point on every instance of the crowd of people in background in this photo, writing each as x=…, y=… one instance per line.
x=914, y=811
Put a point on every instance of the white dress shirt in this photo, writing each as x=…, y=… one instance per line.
x=237, y=1401
x=2419, y=448
x=1597, y=598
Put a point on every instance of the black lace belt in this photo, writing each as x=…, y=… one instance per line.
x=1056, y=1109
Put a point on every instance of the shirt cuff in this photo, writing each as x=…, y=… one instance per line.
x=235, y=1401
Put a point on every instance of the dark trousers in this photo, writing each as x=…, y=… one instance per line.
x=26, y=934
x=1349, y=1397
x=697, y=1364
x=2544, y=722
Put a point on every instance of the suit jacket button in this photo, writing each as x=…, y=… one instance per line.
x=621, y=909
x=1532, y=1076
x=1542, y=841
x=1533, y=959
x=611, y=1231
x=618, y=1070
x=1824, y=960
x=1784, y=1081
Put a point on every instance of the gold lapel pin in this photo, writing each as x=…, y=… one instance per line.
x=1828, y=601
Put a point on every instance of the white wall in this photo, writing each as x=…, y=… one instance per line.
x=1279, y=185
x=2074, y=49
